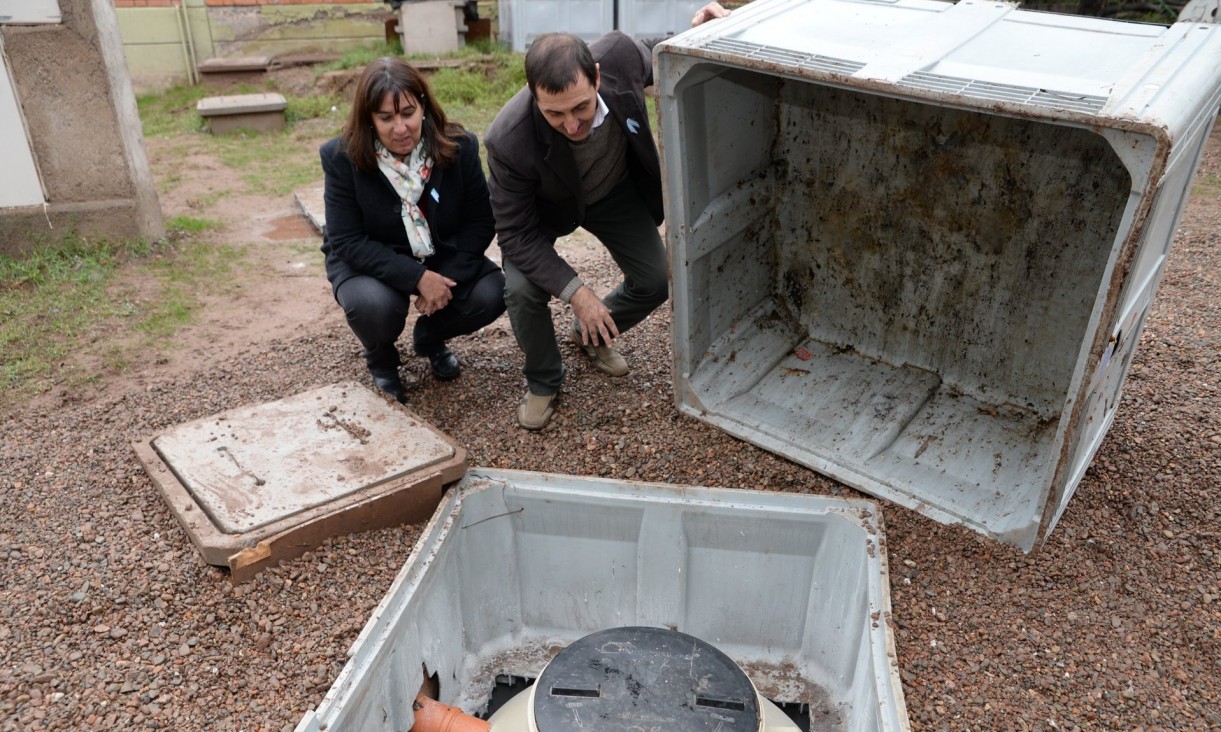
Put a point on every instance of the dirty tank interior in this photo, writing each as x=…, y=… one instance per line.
x=895, y=286
x=516, y=566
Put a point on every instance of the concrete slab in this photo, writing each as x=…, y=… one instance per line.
x=235, y=63
x=258, y=484
x=257, y=112
x=309, y=200
x=234, y=70
x=431, y=26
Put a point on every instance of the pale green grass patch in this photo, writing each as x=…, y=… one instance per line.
x=65, y=298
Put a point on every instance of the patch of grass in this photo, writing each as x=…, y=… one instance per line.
x=197, y=264
x=360, y=57
x=278, y=163
x=49, y=299
x=190, y=224
x=63, y=298
x=306, y=249
x=1207, y=185
x=195, y=267
x=115, y=358
x=172, y=111
x=473, y=94
x=174, y=311
x=165, y=184
x=205, y=201
x=272, y=163
x=71, y=259
x=304, y=108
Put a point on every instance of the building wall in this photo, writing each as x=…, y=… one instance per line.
x=73, y=90
x=161, y=37
x=163, y=40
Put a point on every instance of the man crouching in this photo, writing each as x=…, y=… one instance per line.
x=574, y=148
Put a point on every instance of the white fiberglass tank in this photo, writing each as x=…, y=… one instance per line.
x=914, y=243
x=782, y=594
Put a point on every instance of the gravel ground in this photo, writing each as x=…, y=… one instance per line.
x=109, y=620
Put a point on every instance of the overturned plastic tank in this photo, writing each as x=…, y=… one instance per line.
x=783, y=594
x=914, y=243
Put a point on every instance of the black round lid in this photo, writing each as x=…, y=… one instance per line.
x=643, y=678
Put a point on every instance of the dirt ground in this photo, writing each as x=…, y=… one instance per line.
x=109, y=620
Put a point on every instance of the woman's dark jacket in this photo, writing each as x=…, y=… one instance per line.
x=364, y=231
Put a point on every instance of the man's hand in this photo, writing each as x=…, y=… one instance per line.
x=433, y=292
x=711, y=11
x=594, y=317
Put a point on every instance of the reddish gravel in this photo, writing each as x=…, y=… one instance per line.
x=109, y=620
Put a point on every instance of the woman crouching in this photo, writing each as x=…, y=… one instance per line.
x=407, y=214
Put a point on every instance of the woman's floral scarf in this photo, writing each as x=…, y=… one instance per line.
x=409, y=178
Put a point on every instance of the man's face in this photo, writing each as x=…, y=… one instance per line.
x=571, y=112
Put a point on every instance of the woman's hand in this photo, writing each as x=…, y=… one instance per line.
x=433, y=292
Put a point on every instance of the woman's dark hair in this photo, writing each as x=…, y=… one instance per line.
x=554, y=61
x=396, y=77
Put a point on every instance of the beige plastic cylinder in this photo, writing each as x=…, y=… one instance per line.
x=517, y=715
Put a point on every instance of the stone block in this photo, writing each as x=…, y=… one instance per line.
x=234, y=70
x=254, y=112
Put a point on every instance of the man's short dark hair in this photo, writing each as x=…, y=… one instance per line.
x=555, y=61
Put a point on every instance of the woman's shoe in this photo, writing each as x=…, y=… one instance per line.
x=444, y=363
x=388, y=381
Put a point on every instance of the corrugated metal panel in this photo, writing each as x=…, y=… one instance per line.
x=790, y=59
x=1012, y=93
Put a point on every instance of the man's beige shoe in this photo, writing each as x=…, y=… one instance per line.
x=602, y=357
x=535, y=411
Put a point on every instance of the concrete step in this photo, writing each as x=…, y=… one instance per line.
x=234, y=70
x=254, y=112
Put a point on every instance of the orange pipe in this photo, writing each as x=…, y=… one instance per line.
x=433, y=716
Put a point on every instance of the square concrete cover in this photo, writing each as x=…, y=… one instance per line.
x=254, y=112
x=258, y=484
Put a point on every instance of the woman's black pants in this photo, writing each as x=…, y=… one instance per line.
x=377, y=314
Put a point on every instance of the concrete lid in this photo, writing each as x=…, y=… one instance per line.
x=256, y=485
x=240, y=104
x=250, y=467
